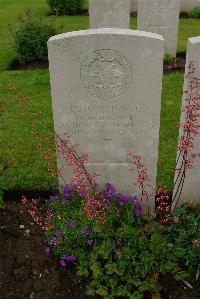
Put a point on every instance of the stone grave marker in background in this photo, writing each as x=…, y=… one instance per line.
x=109, y=13
x=162, y=17
x=106, y=89
x=191, y=187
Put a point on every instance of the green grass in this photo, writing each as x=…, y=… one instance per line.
x=170, y=115
x=10, y=10
x=23, y=167
x=187, y=28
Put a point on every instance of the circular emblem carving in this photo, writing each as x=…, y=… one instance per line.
x=105, y=74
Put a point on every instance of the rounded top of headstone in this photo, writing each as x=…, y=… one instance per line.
x=108, y=31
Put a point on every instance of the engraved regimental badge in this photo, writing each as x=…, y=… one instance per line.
x=106, y=74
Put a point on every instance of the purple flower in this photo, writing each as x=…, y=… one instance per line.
x=138, y=208
x=49, y=214
x=133, y=199
x=63, y=264
x=69, y=258
x=54, y=197
x=90, y=242
x=58, y=233
x=67, y=191
x=137, y=213
x=85, y=231
x=64, y=202
x=54, y=241
x=72, y=223
x=105, y=204
x=47, y=249
x=95, y=187
x=123, y=199
x=83, y=193
x=109, y=192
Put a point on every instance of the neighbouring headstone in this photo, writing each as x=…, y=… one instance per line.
x=191, y=186
x=134, y=5
x=109, y=14
x=106, y=89
x=162, y=17
x=185, y=5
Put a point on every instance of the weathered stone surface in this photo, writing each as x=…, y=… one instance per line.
x=109, y=13
x=162, y=17
x=134, y=5
x=106, y=89
x=191, y=189
x=186, y=5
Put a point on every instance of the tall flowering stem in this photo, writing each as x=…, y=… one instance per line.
x=68, y=152
x=142, y=182
x=190, y=128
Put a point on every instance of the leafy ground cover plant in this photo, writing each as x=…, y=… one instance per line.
x=121, y=252
x=183, y=232
x=65, y=7
x=195, y=13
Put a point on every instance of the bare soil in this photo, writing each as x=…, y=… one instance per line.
x=177, y=64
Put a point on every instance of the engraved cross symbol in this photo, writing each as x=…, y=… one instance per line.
x=107, y=162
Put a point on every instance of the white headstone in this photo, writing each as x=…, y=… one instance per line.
x=187, y=5
x=134, y=5
x=162, y=17
x=191, y=187
x=106, y=89
x=109, y=14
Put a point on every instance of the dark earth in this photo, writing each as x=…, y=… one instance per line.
x=178, y=64
x=26, y=272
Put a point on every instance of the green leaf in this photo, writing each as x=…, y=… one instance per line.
x=136, y=295
x=180, y=276
x=197, y=274
x=187, y=284
x=145, y=286
x=1, y=199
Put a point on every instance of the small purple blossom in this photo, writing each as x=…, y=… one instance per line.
x=123, y=199
x=95, y=187
x=72, y=223
x=67, y=191
x=64, y=202
x=63, y=264
x=90, y=242
x=47, y=249
x=105, y=204
x=83, y=193
x=138, y=208
x=133, y=199
x=58, y=233
x=85, y=231
x=69, y=258
x=49, y=214
x=54, y=197
x=137, y=213
x=54, y=241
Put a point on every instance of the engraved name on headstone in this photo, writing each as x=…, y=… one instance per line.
x=109, y=13
x=162, y=17
x=106, y=89
x=191, y=189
